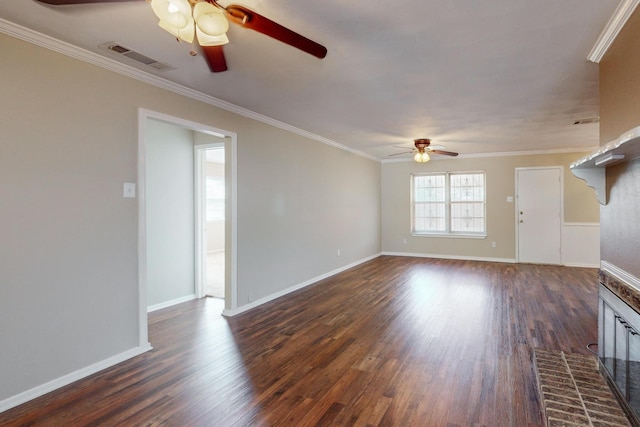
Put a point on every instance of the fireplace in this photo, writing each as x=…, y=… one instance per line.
x=619, y=338
x=613, y=170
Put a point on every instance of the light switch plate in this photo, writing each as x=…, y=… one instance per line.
x=129, y=190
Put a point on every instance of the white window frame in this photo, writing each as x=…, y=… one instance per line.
x=447, y=207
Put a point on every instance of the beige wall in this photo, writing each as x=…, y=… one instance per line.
x=68, y=240
x=579, y=204
x=620, y=112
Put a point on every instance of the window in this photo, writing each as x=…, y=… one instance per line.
x=450, y=203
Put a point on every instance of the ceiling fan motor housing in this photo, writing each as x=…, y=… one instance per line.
x=422, y=144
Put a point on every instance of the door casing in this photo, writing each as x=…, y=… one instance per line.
x=231, y=233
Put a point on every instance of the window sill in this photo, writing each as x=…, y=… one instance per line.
x=451, y=236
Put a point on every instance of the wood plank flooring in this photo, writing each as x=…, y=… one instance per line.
x=395, y=341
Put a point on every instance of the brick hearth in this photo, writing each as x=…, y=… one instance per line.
x=574, y=393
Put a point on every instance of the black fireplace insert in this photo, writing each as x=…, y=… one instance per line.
x=619, y=349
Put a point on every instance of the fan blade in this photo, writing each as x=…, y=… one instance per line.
x=446, y=153
x=254, y=21
x=69, y=2
x=397, y=154
x=215, y=58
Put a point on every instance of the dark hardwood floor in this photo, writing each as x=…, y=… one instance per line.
x=393, y=342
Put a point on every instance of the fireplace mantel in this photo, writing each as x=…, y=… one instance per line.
x=626, y=286
x=592, y=168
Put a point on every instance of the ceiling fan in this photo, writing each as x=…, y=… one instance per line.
x=209, y=22
x=423, y=149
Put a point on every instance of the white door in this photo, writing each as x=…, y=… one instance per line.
x=539, y=211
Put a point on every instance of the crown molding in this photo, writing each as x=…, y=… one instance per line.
x=531, y=152
x=620, y=17
x=67, y=49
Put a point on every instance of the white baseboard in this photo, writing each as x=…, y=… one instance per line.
x=258, y=302
x=580, y=265
x=457, y=257
x=170, y=303
x=57, y=383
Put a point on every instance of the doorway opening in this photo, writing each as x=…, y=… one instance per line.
x=210, y=174
x=201, y=135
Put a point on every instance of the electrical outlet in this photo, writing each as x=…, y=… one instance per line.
x=250, y=297
x=493, y=244
x=338, y=252
x=404, y=240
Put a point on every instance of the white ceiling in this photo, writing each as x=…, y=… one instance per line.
x=475, y=76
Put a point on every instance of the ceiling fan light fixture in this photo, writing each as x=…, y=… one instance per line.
x=210, y=20
x=207, y=40
x=175, y=13
x=185, y=33
x=422, y=157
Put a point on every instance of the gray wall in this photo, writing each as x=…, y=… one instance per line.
x=293, y=219
x=170, y=212
x=620, y=232
x=68, y=240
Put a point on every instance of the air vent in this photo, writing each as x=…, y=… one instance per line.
x=135, y=56
x=587, y=121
